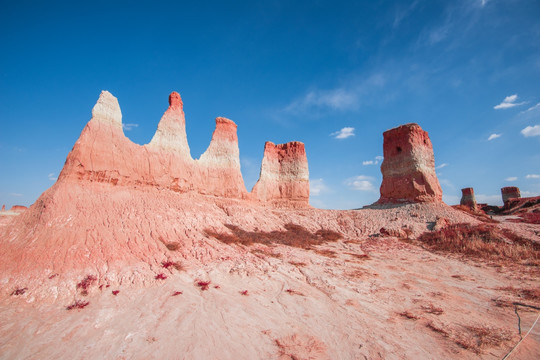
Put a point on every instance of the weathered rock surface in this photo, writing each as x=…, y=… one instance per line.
x=284, y=178
x=104, y=155
x=510, y=192
x=408, y=168
x=467, y=198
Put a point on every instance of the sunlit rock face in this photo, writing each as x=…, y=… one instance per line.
x=408, y=168
x=104, y=155
x=510, y=192
x=284, y=178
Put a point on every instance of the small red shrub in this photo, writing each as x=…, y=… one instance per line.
x=86, y=283
x=174, y=264
x=53, y=276
x=115, y=292
x=79, y=304
x=245, y=293
x=19, y=291
x=203, y=284
x=161, y=276
x=176, y=293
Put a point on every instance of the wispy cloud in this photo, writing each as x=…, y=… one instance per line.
x=508, y=102
x=511, y=178
x=483, y=2
x=317, y=186
x=361, y=183
x=532, y=176
x=129, y=127
x=531, y=131
x=336, y=99
x=347, y=96
x=343, y=133
x=15, y=194
x=52, y=177
x=494, y=136
x=403, y=13
x=532, y=108
x=441, y=166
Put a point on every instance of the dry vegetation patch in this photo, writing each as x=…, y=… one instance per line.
x=293, y=235
x=482, y=241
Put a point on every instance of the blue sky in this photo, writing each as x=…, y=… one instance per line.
x=333, y=74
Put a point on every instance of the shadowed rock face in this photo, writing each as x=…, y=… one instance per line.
x=284, y=178
x=467, y=198
x=408, y=168
x=104, y=155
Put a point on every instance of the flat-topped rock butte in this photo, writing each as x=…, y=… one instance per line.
x=159, y=255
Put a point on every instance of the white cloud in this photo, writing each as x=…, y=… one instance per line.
x=361, y=183
x=483, y=2
x=15, y=194
x=377, y=160
x=532, y=176
x=343, y=133
x=52, y=177
x=531, y=131
x=511, y=178
x=129, y=127
x=494, y=136
x=317, y=186
x=508, y=102
x=441, y=166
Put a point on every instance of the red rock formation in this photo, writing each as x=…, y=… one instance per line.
x=220, y=163
x=510, y=192
x=467, y=198
x=4, y=207
x=18, y=208
x=104, y=155
x=408, y=168
x=284, y=177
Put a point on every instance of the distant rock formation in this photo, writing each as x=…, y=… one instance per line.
x=467, y=198
x=284, y=178
x=103, y=154
x=510, y=192
x=408, y=168
x=18, y=208
x=4, y=207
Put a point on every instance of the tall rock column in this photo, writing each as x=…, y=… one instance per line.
x=467, y=198
x=408, y=168
x=284, y=177
x=510, y=192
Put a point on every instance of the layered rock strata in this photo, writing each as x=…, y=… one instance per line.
x=103, y=154
x=467, y=198
x=408, y=168
x=510, y=192
x=284, y=177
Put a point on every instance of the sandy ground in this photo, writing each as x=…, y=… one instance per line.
x=365, y=298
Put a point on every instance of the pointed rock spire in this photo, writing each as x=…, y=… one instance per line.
x=171, y=131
